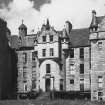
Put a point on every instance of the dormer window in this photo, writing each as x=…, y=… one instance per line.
x=44, y=38
x=51, y=38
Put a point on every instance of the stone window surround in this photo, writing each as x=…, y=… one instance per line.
x=43, y=52
x=51, y=52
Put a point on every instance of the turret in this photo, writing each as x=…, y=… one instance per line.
x=65, y=35
x=47, y=25
x=68, y=27
x=22, y=30
x=94, y=24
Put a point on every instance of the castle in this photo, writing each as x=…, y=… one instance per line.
x=67, y=60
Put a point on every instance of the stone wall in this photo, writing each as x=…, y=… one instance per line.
x=73, y=70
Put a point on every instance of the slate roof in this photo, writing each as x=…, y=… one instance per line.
x=79, y=37
x=99, y=19
x=14, y=41
x=22, y=26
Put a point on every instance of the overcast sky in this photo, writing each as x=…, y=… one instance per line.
x=35, y=12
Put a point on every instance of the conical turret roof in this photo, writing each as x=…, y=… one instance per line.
x=22, y=26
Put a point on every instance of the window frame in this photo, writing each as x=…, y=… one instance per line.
x=82, y=84
x=72, y=53
x=24, y=57
x=51, y=38
x=81, y=52
x=43, y=52
x=25, y=73
x=48, y=68
x=61, y=84
x=44, y=38
x=72, y=81
x=51, y=51
x=81, y=68
x=100, y=45
x=100, y=81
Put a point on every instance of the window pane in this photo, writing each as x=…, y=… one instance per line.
x=100, y=85
x=81, y=87
x=81, y=84
x=44, y=38
x=61, y=84
x=43, y=52
x=100, y=79
x=33, y=56
x=81, y=52
x=72, y=69
x=100, y=45
x=51, y=52
x=51, y=38
x=72, y=81
x=71, y=53
x=47, y=68
x=81, y=68
x=100, y=93
x=24, y=57
x=25, y=73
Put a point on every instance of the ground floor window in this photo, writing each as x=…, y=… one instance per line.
x=81, y=84
x=61, y=84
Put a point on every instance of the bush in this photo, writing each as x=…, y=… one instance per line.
x=71, y=95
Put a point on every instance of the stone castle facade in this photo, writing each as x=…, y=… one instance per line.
x=67, y=60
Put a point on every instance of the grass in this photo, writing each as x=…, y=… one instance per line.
x=49, y=102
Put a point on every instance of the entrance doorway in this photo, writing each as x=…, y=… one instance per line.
x=47, y=84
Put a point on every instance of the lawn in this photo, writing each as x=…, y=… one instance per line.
x=49, y=102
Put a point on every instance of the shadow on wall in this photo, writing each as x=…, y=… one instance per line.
x=8, y=68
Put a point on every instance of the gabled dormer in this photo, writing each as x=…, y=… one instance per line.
x=97, y=26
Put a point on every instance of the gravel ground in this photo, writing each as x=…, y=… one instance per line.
x=49, y=102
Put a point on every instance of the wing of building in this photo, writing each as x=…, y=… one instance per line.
x=66, y=60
